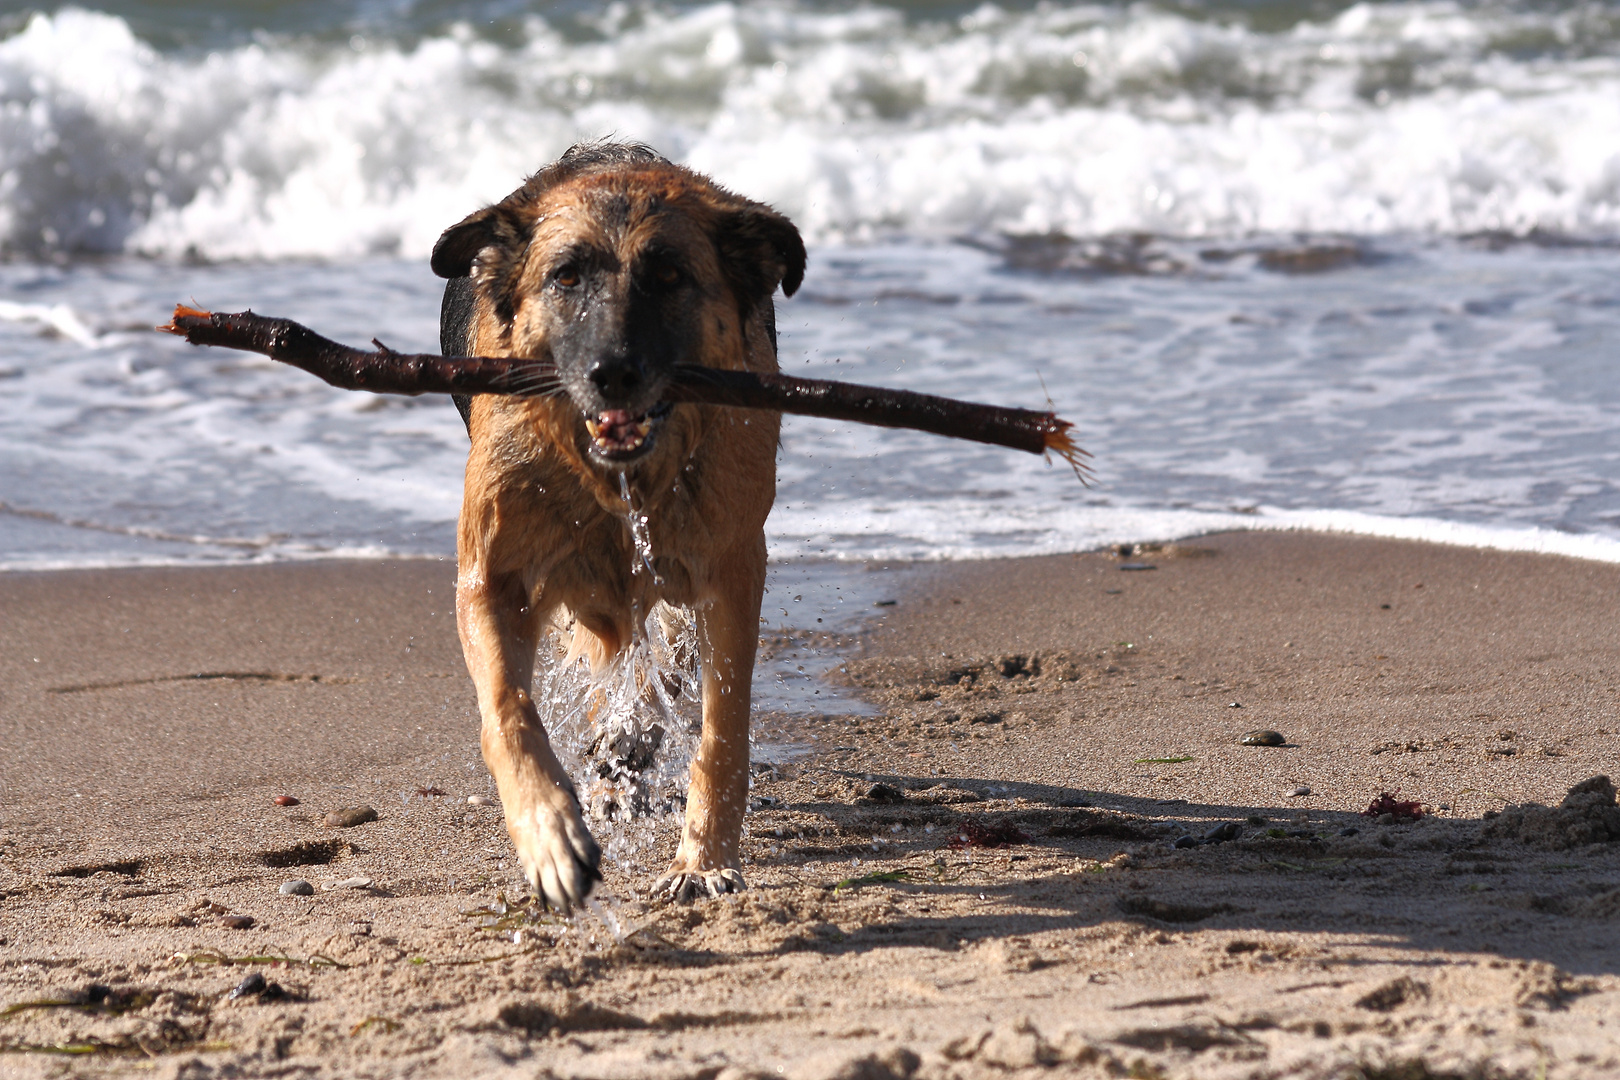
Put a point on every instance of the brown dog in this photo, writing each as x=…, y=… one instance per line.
x=616, y=265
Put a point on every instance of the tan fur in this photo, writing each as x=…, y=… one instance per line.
x=543, y=538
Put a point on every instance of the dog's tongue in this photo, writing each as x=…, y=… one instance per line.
x=614, y=421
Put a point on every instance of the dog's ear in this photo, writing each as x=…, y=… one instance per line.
x=760, y=248
x=487, y=245
x=460, y=244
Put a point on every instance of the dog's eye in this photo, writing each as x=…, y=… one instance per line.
x=567, y=277
x=666, y=274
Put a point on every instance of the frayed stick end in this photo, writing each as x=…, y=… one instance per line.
x=1058, y=440
x=175, y=326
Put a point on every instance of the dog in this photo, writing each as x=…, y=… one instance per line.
x=616, y=265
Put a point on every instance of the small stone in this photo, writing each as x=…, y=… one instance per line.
x=1188, y=841
x=236, y=922
x=350, y=883
x=480, y=800
x=350, y=816
x=253, y=983
x=1263, y=737
x=885, y=793
x=285, y=800
x=296, y=887
x=1301, y=790
x=1220, y=834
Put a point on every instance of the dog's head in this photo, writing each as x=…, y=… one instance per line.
x=617, y=265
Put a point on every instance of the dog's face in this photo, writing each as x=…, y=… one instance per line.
x=618, y=272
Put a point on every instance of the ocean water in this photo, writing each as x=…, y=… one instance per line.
x=1285, y=264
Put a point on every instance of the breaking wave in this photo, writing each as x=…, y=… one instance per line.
x=1426, y=117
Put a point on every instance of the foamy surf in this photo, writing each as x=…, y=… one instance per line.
x=1083, y=120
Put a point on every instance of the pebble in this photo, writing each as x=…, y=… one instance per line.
x=1187, y=841
x=296, y=887
x=349, y=817
x=252, y=984
x=1220, y=834
x=1301, y=790
x=1263, y=737
x=350, y=883
x=236, y=922
x=285, y=800
x=480, y=800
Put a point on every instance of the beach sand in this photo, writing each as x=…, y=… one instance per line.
x=1080, y=715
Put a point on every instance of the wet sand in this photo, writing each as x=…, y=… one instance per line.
x=1081, y=716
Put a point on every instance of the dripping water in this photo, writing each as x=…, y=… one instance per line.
x=640, y=537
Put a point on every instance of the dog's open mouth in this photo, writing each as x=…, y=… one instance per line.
x=618, y=434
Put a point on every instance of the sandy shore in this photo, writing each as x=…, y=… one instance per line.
x=1080, y=716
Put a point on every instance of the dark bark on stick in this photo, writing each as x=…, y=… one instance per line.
x=389, y=372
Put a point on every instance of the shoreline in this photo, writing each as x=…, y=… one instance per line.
x=1080, y=712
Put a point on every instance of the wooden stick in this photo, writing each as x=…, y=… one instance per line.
x=388, y=372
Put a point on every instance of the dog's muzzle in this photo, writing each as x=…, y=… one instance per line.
x=621, y=435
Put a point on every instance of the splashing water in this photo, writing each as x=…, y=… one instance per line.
x=627, y=732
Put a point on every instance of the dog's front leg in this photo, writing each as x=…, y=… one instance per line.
x=708, y=860
x=499, y=634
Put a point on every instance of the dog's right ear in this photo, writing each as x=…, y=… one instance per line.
x=460, y=244
x=488, y=246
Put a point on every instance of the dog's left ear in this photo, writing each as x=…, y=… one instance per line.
x=760, y=248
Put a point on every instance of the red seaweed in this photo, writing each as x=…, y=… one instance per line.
x=1388, y=803
x=971, y=834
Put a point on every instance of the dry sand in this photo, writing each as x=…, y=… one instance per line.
x=149, y=718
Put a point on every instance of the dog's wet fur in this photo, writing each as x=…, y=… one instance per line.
x=616, y=265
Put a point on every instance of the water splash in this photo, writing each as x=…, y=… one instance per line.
x=627, y=731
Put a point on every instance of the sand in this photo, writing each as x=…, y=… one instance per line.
x=1085, y=716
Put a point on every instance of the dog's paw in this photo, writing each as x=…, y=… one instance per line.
x=558, y=854
x=682, y=887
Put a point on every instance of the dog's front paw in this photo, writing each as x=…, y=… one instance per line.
x=684, y=886
x=558, y=854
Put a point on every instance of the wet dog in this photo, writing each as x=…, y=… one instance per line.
x=616, y=265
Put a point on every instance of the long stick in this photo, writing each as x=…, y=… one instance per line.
x=388, y=372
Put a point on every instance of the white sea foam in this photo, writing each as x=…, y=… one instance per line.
x=1398, y=117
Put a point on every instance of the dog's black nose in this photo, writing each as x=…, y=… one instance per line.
x=618, y=380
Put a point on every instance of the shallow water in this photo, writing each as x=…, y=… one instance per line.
x=1434, y=389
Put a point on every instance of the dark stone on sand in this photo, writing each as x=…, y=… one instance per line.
x=237, y=922
x=1263, y=737
x=885, y=793
x=1220, y=834
x=1187, y=841
x=251, y=984
x=349, y=816
x=296, y=887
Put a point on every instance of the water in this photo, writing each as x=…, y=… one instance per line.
x=1284, y=264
